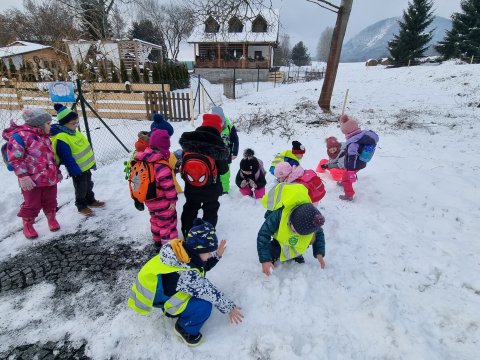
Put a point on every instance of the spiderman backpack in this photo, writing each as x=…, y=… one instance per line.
x=198, y=169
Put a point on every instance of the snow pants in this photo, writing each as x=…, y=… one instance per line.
x=348, y=178
x=256, y=193
x=190, y=212
x=225, y=180
x=163, y=221
x=38, y=198
x=195, y=315
x=83, y=185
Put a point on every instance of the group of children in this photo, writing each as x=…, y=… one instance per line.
x=35, y=150
x=174, y=280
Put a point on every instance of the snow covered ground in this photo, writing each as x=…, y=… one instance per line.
x=403, y=260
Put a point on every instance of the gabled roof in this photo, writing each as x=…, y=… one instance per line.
x=20, y=47
x=271, y=16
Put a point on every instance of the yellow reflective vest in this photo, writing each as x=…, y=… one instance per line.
x=286, y=195
x=281, y=157
x=144, y=289
x=82, y=152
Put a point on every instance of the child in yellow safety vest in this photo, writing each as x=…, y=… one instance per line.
x=73, y=150
x=175, y=281
x=292, y=223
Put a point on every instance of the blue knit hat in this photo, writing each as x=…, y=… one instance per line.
x=201, y=238
x=64, y=114
x=159, y=122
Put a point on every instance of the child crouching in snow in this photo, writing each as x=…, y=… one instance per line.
x=175, y=281
x=163, y=213
x=354, y=154
x=251, y=176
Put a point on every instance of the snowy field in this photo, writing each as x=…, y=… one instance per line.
x=403, y=260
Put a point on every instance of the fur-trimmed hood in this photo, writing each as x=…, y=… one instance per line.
x=204, y=140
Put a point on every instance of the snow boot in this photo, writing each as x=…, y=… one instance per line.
x=97, y=204
x=299, y=259
x=53, y=224
x=86, y=212
x=345, y=197
x=28, y=229
x=190, y=340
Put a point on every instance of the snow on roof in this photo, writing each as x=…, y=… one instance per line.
x=271, y=16
x=20, y=47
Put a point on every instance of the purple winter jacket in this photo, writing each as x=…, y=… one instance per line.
x=36, y=159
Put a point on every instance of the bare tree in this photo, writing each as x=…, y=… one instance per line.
x=119, y=24
x=323, y=46
x=175, y=21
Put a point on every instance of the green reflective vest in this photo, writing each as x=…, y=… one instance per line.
x=281, y=157
x=291, y=243
x=225, y=134
x=82, y=152
x=143, y=290
x=286, y=195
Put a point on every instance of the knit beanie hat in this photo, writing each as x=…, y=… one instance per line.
x=159, y=122
x=36, y=117
x=348, y=124
x=64, y=114
x=297, y=147
x=143, y=140
x=219, y=111
x=333, y=147
x=306, y=219
x=282, y=170
x=212, y=120
x=296, y=173
x=160, y=140
x=249, y=161
x=201, y=238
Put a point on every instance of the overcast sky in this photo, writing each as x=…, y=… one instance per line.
x=305, y=21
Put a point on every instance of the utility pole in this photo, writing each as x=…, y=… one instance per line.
x=343, y=15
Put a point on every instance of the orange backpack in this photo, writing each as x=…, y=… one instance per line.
x=316, y=189
x=142, y=182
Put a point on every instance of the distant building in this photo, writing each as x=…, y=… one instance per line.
x=39, y=56
x=246, y=45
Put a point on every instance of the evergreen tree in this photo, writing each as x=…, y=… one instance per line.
x=464, y=38
x=11, y=68
x=135, y=75
x=156, y=74
x=102, y=70
x=412, y=41
x=29, y=72
x=146, y=79
x=146, y=30
x=300, y=55
x=3, y=69
x=115, y=78
x=123, y=72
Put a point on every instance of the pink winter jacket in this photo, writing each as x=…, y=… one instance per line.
x=36, y=159
x=163, y=175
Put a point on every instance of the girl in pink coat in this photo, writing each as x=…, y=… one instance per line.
x=30, y=154
x=163, y=213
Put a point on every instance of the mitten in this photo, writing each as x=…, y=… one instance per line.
x=138, y=205
x=26, y=183
x=252, y=184
x=324, y=166
x=243, y=183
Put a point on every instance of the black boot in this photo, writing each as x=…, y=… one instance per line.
x=190, y=340
x=299, y=259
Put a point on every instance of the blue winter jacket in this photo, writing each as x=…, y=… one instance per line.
x=270, y=226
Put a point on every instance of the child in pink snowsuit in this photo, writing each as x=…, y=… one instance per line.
x=163, y=213
x=251, y=177
x=30, y=153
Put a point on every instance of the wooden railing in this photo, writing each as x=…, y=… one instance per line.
x=232, y=63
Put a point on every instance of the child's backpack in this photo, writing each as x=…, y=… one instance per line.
x=142, y=182
x=367, y=152
x=20, y=141
x=128, y=166
x=316, y=189
x=198, y=169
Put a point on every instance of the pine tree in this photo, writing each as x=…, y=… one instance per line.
x=300, y=56
x=464, y=38
x=123, y=72
x=135, y=75
x=102, y=70
x=114, y=72
x=3, y=69
x=412, y=41
x=146, y=79
x=156, y=74
x=11, y=68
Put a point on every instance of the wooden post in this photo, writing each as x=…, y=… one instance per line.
x=191, y=104
x=334, y=54
x=409, y=62
x=345, y=101
x=203, y=99
x=471, y=61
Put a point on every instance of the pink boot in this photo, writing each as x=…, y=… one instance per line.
x=28, y=229
x=53, y=224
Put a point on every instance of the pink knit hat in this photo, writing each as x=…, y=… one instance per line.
x=160, y=140
x=348, y=124
x=282, y=170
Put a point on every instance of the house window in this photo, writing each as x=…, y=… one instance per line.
x=235, y=25
x=211, y=26
x=259, y=56
x=259, y=24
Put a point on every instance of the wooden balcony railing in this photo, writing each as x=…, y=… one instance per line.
x=232, y=63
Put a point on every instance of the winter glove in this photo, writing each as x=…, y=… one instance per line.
x=252, y=184
x=26, y=183
x=243, y=183
x=324, y=166
x=138, y=205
